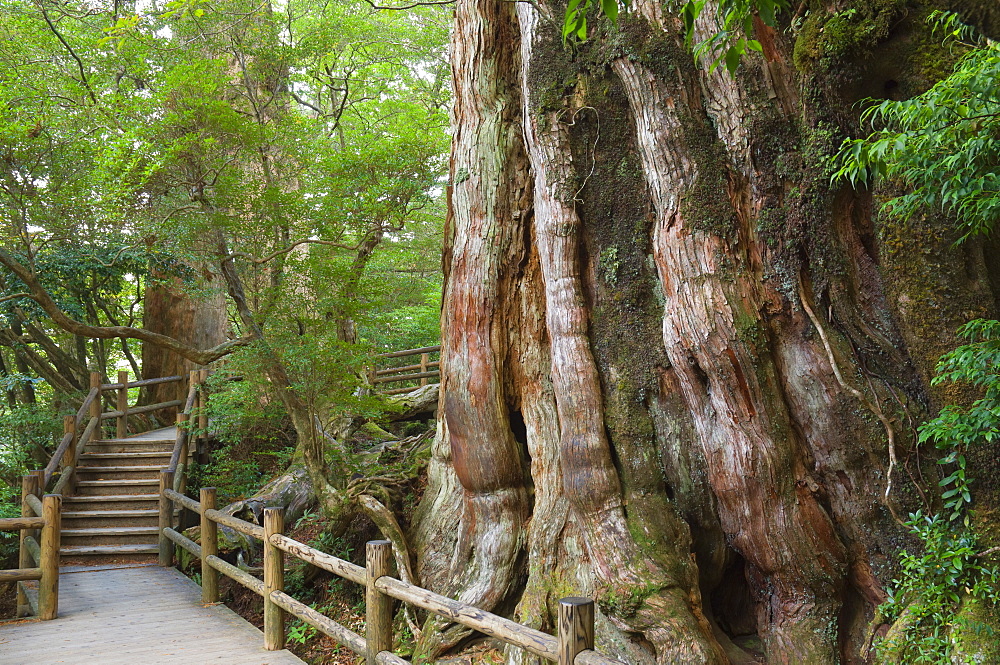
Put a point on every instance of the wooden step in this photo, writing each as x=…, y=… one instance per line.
x=111, y=502
x=126, y=446
x=107, y=550
x=89, y=460
x=133, y=440
x=115, y=487
x=83, y=519
x=121, y=535
x=119, y=472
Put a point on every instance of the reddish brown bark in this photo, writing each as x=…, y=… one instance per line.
x=198, y=320
x=679, y=369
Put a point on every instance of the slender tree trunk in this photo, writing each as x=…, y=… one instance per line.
x=680, y=370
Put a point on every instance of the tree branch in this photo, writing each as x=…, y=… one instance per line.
x=286, y=250
x=61, y=319
x=79, y=63
x=411, y=6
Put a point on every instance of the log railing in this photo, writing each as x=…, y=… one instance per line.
x=423, y=371
x=574, y=643
x=39, y=527
x=67, y=453
x=40, y=521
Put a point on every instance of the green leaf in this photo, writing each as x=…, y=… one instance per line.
x=733, y=58
x=610, y=9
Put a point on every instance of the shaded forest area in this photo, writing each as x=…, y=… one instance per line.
x=716, y=285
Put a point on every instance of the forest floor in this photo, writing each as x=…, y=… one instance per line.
x=338, y=599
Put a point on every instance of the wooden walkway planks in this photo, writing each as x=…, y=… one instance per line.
x=162, y=434
x=138, y=615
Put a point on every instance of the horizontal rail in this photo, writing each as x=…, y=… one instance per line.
x=241, y=576
x=84, y=411
x=18, y=523
x=185, y=501
x=410, y=352
x=407, y=368
x=50, y=468
x=183, y=541
x=327, y=562
x=141, y=409
x=36, y=506
x=406, y=377
x=529, y=639
x=400, y=391
x=34, y=549
x=244, y=527
x=192, y=394
x=20, y=574
x=329, y=627
x=141, y=383
x=533, y=641
x=64, y=477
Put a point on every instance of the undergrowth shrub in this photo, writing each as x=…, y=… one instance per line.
x=27, y=436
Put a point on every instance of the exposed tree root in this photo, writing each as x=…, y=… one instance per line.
x=872, y=406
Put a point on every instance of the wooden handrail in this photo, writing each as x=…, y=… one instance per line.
x=410, y=352
x=141, y=383
x=426, y=369
x=405, y=368
x=142, y=409
x=572, y=646
x=406, y=377
x=38, y=559
x=18, y=523
x=87, y=408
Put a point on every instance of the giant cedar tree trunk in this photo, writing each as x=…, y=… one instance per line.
x=680, y=369
x=199, y=320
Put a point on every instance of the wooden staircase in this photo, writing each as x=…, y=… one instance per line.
x=114, y=510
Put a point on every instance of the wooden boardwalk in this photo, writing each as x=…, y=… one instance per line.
x=135, y=615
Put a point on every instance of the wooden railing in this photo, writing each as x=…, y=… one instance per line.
x=39, y=525
x=67, y=454
x=194, y=413
x=423, y=371
x=573, y=644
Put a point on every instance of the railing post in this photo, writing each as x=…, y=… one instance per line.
x=576, y=628
x=378, y=606
x=424, y=359
x=274, y=580
x=166, y=519
x=209, y=547
x=182, y=420
x=69, y=427
x=122, y=425
x=48, y=586
x=40, y=474
x=202, y=414
x=97, y=405
x=29, y=485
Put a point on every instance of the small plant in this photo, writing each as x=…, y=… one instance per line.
x=300, y=632
x=950, y=570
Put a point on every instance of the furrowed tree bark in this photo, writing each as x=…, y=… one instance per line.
x=679, y=367
x=199, y=321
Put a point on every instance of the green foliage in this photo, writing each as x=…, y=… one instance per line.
x=27, y=433
x=930, y=588
x=299, y=632
x=726, y=45
x=956, y=429
x=941, y=146
x=950, y=570
x=734, y=22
